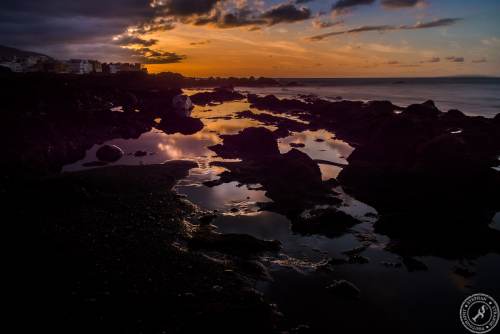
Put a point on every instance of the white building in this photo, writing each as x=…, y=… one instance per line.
x=96, y=66
x=80, y=66
x=14, y=66
x=114, y=68
x=33, y=60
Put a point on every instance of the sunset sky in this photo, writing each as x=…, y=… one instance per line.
x=278, y=38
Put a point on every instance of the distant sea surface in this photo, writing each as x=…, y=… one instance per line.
x=476, y=96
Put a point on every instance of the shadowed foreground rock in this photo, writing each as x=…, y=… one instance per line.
x=235, y=244
x=104, y=251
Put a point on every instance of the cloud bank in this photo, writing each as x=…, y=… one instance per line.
x=383, y=28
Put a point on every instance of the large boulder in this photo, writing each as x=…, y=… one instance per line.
x=496, y=119
x=182, y=105
x=425, y=110
x=249, y=144
x=180, y=124
x=330, y=222
x=109, y=153
x=297, y=171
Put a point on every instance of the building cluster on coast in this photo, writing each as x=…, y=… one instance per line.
x=42, y=63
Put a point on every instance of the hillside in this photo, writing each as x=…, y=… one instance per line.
x=8, y=52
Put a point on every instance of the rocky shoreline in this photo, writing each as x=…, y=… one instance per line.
x=117, y=249
x=114, y=249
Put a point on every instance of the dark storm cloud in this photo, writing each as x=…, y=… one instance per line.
x=246, y=16
x=186, y=7
x=31, y=23
x=154, y=25
x=352, y=31
x=126, y=40
x=433, y=24
x=66, y=29
x=286, y=12
x=148, y=56
x=343, y=6
x=34, y=23
x=29, y=30
x=382, y=28
x=90, y=8
x=319, y=24
x=236, y=18
x=401, y=3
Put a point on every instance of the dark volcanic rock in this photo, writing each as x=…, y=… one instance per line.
x=65, y=115
x=272, y=103
x=390, y=264
x=496, y=119
x=454, y=115
x=443, y=152
x=183, y=125
x=345, y=289
x=133, y=178
x=412, y=264
x=236, y=244
x=358, y=259
x=292, y=180
x=109, y=153
x=104, y=245
x=291, y=177
x=464, y=272
x=251, y=143
x=330, y=222
x=95, y=164
x=283, y=123
x=425, y=110
x=207, y=218
x=421, y=169
x=217, y=95
x=282, y=132
x=419, y=175
x=355, y=251
x=297, y=145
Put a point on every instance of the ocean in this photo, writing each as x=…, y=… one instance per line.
x=475, y=96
